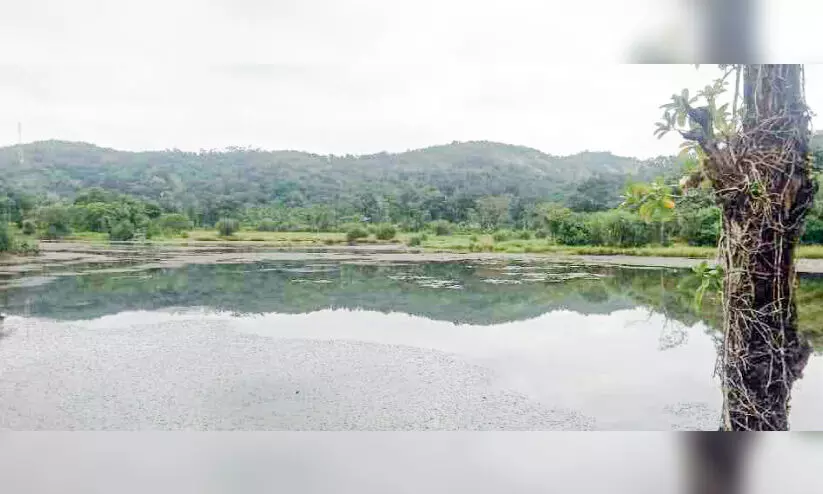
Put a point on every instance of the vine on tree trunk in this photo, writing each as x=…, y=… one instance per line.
x=759, y=165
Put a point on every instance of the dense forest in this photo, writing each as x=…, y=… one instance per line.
x=442, y=181
x=62, y=187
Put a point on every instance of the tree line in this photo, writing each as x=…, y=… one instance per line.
x=588, y=212
x=695, y=219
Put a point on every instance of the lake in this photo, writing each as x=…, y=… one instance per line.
x=367, y=343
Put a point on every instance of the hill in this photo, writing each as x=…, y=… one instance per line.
x=181, y=179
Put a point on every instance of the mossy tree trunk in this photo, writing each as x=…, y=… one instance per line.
x=764, y=187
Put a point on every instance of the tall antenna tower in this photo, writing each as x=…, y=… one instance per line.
x=20, y=141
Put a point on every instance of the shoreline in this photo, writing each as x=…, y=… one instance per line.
x=125, y=256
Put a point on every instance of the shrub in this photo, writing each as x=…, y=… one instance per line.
x=153, y=229
x=55, y=221
x=501, y=235
x=356, y=233
x=574, y=231
x=619, y=228
x=541, y=234
x=122, y=231
x=26, y=246
x=415, y=241
x=29, y=227
x=442, y=227
x=227, y=227
x=8, y=243
x=174, y=223
x=267, y=225
x=473, y=238
x=385, y=232
x=345, y=227
x=525, y=235
x=813, y=233
x=702, y=227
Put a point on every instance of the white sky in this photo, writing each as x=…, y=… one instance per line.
x=347, y=76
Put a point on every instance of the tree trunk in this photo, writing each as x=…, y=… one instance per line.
x=764, y=188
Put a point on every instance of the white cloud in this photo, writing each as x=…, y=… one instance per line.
x=345, y=76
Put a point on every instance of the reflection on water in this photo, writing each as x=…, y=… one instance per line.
x=476, y=293
x=470, y=292
x=623, y=346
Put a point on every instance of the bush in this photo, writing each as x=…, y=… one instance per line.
x=122, y=231
x=415, y=241
x=385, y=232
x=525, y=235
x=473, y=238
x=267, y=225
x=227, y=227
x=152, y=229
x=618, y=228
x=573, y=231
x=55, y=222
x=29, y=227
x=501, y=235
x=702, y=227
x=813, y=233
x=541, y=234
x=442, y=227
x=16, y=245
x=356, y=234
x=345, y=227
x=174, y=223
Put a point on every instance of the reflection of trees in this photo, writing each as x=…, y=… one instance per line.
x=298, y=288
x=672, y=294
x=286, y=288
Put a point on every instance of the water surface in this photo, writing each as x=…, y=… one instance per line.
x=326, y=344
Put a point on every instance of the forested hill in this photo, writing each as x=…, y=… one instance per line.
x=245, y=177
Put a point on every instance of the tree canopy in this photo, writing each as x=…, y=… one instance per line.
x=444, y=182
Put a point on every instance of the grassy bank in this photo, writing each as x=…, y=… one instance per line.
x=14, y=242
x=432, y=243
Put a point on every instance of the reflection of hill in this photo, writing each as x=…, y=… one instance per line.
x=294, y=288
x=427, y=290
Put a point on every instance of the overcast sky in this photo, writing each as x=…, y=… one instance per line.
x=340, y=76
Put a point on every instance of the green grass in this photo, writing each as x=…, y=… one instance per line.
x=485, y=243
x=463, y=242
x=88, y=237
x=810, y=252
x=21, y=244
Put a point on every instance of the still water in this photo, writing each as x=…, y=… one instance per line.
x=369, y=345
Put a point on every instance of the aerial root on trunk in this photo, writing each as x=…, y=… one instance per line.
x=764, y=188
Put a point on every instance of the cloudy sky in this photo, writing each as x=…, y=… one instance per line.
x=343, y=76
